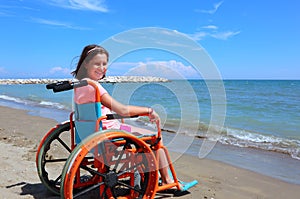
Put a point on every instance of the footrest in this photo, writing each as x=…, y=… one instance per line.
x=187, y=185
x=184, y=185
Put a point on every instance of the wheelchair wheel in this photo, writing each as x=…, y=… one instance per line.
x=52, y=154
x=123, y=167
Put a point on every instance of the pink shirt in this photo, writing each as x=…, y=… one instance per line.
x=86, y=94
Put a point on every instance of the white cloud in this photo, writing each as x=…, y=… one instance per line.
x=171, y=69
x=93, y=5
x=214, y=10
x=199, y=35
x=212, y=31
x=57, y=23
x=50, y=22
x=59, y=71
x=212, y=27
x=217, y=35
x=224, y=35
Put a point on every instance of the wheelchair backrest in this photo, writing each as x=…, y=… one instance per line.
x=86, y=113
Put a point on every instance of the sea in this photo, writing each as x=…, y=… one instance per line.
x=251, y=124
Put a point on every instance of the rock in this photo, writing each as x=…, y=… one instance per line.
x=110, y=79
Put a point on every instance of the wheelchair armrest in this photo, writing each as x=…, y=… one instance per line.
x=116, y=116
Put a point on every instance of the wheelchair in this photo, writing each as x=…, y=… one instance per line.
x=78, y=159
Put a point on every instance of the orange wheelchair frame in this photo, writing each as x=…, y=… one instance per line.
x=106, y=164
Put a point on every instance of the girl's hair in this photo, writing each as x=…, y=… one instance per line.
x=87, y=54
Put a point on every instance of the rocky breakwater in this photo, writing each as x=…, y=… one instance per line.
x=123, y=79
x=109, y=79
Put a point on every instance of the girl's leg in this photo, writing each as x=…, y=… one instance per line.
x=163, y=162
x=164, y=168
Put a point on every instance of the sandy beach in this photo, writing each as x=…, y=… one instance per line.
x=21, y=133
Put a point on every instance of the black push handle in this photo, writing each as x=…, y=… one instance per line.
x=51, y=86
x=66, y=85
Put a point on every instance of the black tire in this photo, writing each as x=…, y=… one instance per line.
x=53, y=152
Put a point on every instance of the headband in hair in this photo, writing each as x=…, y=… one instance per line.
x=91, y=50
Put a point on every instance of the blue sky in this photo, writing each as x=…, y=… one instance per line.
x=256, y=39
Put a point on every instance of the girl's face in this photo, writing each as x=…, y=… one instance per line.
x=96, y=67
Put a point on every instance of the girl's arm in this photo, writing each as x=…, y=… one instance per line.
x=128, y=110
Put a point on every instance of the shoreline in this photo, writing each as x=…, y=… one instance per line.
x=20, y=136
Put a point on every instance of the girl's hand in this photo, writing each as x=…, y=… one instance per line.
x=153, y=116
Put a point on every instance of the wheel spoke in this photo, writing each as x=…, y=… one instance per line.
x=120, y=156
x=56, y=160
x=113, y=191
x=92, y=171
x=88, y=189
x=128, y=169
x=57, y=179
x=130, y=187
x=64, y=144
x=104, y=191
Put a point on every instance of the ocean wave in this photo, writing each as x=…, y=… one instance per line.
x=52, y=104
x=40, y=103
x=12, y=99
x=243, y=138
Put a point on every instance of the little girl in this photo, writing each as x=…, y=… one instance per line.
x=92, y=65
